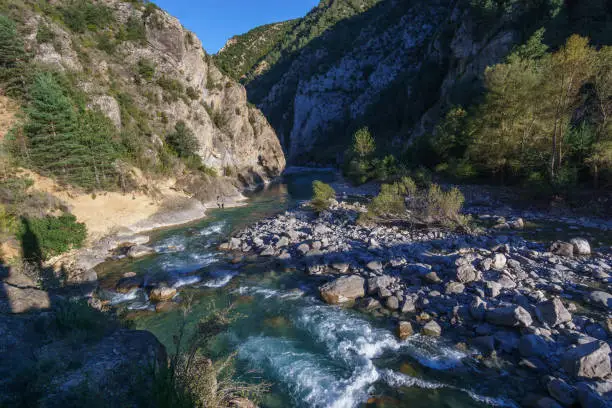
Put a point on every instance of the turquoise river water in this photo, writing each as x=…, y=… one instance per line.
x=312, y=354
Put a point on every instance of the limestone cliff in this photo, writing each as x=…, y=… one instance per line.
x=144, y=70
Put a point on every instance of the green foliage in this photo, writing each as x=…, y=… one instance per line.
x=192, y=93
x=73, y=145
x=44, y=34
x=444, y=206
x=173, y=88
x=106, y=43
x=83, y=15
x=146, y=69
x=363, y=143
x=322, y=195
x=247, y=49
x=135, y=30
x=402, y=201
x=11, y=45
x=50, y=236
x=8, y=222
x=183, y=141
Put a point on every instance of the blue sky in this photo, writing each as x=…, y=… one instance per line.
x=215, y=21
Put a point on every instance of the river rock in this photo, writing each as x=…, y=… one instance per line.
x=268, y=251
x=375, y=266
x=493, y=289
x=600, y=299
x=343, y=290
x=303, y=248
x=466, y=273
x=581, y=246
x=379, y=282
x=139, y=251
x=478, y=308
x=392, y=303
x=512, y=316
x=588, y=398
x=125, y=285
x=562, y=249
x=162, y=293
x=404, y=330
x=408, y=306
x=432, y=328
x=342, y=267
x=454, y=288
x=553, y=312
x=282, y=242
x=532, y=345
x=591, y=360
x=561, y=391
x=499, y=262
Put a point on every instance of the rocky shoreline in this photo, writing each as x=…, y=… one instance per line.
x=542, y=311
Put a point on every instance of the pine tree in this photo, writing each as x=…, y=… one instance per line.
x=11, y=46
x=51, y=127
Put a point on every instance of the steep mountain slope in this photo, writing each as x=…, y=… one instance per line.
x=243, y=52
x=399, y=65
x=147, y=73
x=261, y=48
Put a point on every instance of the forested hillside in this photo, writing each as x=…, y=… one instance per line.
x=447, y=85
x=261, y=48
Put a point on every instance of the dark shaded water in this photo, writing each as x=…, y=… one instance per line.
x=314, y=355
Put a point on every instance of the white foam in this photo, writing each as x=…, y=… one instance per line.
x=216, y=228
x=118, y=298
x=309, y=377
x=396, y=380
x=222, y=278
x=172, y=244
x=189, y=280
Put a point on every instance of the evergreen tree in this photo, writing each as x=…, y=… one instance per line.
x=11, y=45
x=51, y=127
x=183, y=141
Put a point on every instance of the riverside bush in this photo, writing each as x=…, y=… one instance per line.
x=43, y=238
x=402, y=201
x=323, y=194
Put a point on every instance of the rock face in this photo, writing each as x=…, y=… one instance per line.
x=314, y=91
x=343, y=290
x=183, y=84
x=591, y=360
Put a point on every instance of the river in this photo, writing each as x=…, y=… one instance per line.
x=313, y=355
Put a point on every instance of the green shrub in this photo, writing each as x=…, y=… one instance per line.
x=83, y=15
x=106, y=43
x=183, y=141
x=44, y=34
x=11, y=44
x=322, y=195
x=444, y=206
x=135, y=30
x=192, y=93
x=8, y=222
x=173, y=88
x=43, y=238
x=146, y=69
x=390, y=203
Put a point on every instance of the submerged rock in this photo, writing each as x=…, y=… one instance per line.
x=139, y=251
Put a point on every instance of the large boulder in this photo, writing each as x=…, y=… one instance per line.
x=600, y=299
x=499, y=262
x=14, y=299
x=343, y=290
x=511, y=316
x=581, y=246
x=553, y=312
x=466, y=273
x=562, y=249
x=532, y=345
x=591, y=360
x=404, y=330
x=432, y=328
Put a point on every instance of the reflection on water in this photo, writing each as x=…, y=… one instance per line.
x=314, y=355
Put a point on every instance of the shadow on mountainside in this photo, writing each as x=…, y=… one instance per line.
x=416, y=92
